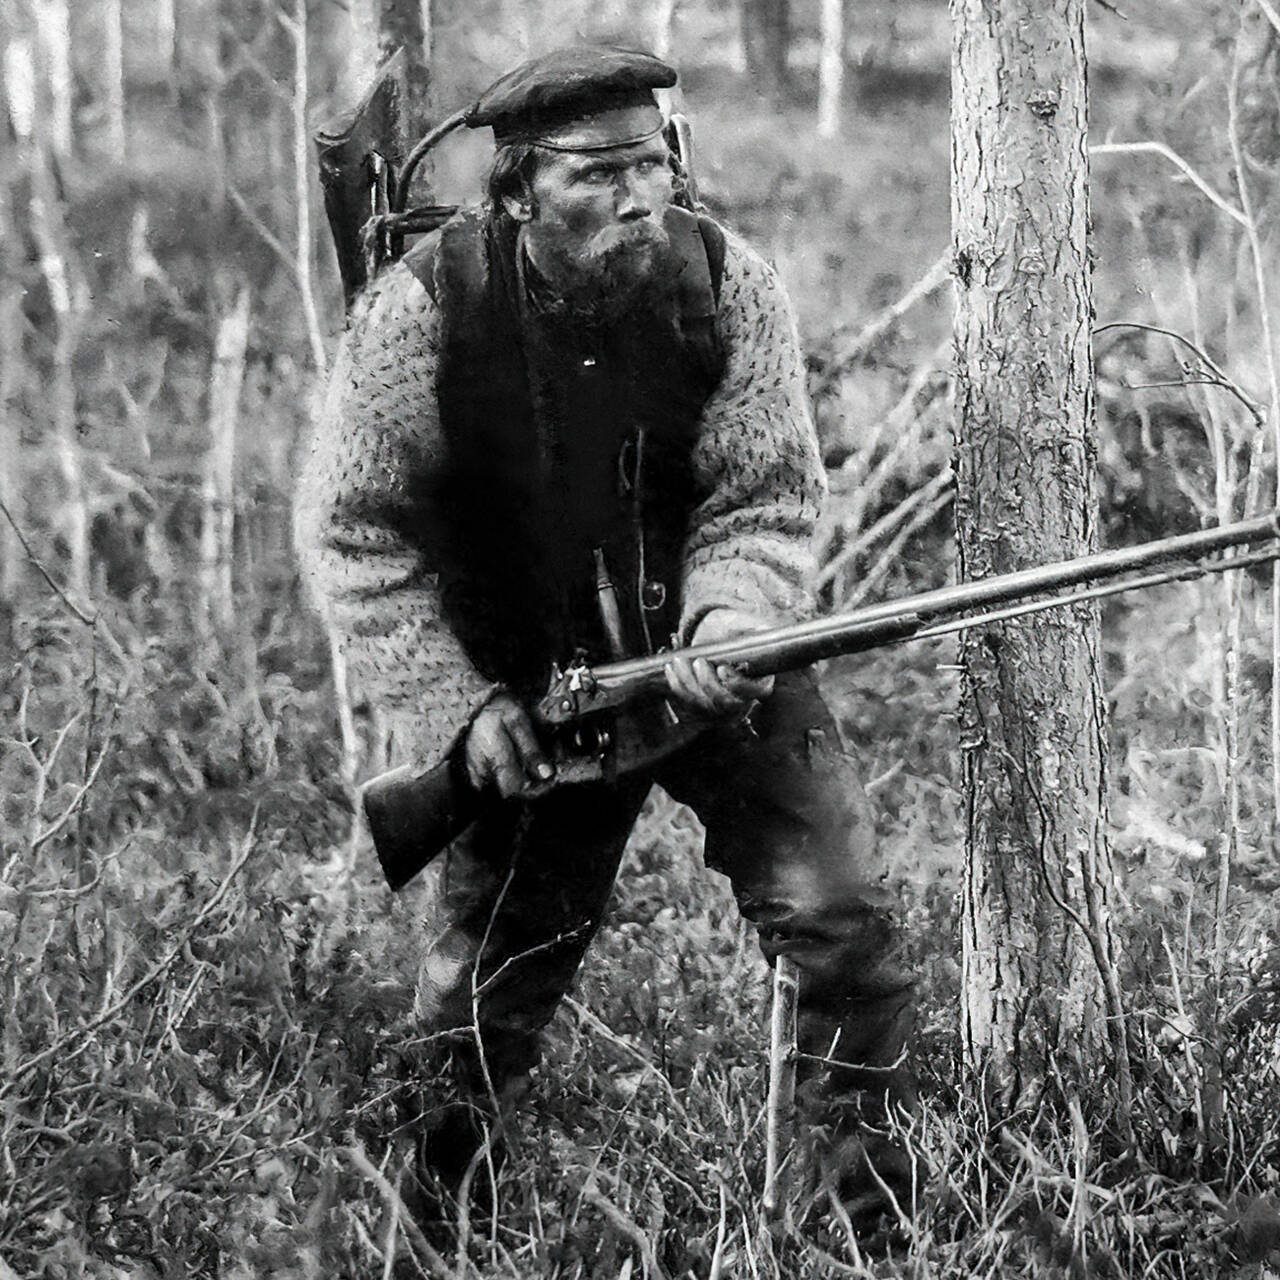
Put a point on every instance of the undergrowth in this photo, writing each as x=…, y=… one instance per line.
x=210, y=1060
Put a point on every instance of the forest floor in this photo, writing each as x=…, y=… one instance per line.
x=209, y=1057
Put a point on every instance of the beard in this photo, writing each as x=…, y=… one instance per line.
x=623, y=268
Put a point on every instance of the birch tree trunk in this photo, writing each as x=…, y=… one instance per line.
x=113, y=77
x=664, y=21
x=53, y=37
x=1040, y=982
x=831, y=68
x=304, y=239
x=217, y=527
x=10, y=365
x=42, y=130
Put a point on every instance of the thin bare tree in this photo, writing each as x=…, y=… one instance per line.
x=53, y=40
x=113, y=77
x=217, y=527
x=831, y=68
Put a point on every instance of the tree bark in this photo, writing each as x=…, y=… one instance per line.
x=408, y=23
x=1040, y=983
x=831, y=68
x=766, y=39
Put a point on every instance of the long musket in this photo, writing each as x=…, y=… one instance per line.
x=596, y=719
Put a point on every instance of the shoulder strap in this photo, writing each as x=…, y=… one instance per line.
x=713, y=244
x=450, y=262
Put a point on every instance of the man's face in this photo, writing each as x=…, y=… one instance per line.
x=597, y=217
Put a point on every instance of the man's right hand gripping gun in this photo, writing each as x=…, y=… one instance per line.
x=611, y=720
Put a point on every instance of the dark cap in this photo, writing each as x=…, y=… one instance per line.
x=543, y=95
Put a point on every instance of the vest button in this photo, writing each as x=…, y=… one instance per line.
x=653, y=595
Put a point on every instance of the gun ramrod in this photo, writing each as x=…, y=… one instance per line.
x=604, y=721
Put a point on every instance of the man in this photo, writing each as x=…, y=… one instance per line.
x=582, y=385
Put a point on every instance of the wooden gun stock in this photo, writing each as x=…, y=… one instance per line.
x=414, y=816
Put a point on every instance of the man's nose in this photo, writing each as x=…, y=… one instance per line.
x=631, y=201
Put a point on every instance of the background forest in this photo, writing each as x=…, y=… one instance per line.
x=204, y=986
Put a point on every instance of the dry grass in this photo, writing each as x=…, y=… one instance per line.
x=209, y=1062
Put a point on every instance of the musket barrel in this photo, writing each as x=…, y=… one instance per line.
x=793, y=646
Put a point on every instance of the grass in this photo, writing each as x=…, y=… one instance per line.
x=210, y=1059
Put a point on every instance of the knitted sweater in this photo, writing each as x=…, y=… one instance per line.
x=749, y=545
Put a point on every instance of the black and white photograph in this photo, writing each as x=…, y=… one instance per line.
x=639, y=641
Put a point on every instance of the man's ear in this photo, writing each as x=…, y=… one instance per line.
x=519, y=208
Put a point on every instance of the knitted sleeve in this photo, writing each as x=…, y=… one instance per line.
x=750, y=543
x=376, y=435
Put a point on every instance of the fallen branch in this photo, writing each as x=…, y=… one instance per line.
x=932, y=280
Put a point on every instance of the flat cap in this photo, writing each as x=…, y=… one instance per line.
x=546, y=93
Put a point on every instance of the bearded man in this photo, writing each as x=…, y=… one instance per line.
x=577, y=379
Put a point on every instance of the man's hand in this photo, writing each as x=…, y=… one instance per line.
x=502, y=749
x=721, y=690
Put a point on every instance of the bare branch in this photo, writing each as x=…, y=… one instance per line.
x=1219, y=379
x=1272, y=14
x=157, y=970
x=1159, y=149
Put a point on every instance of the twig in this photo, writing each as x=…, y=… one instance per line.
x=44, y=573
x=396, y=1205
x=781, y=1103
x=884, y=525
x=157, y=970
x=1159, y=149
x=889, y=557
x=269, y=237
x=929, y=283
x=603, y=1029
x=627, y=1226
x=1220, y=377
x=83, y=790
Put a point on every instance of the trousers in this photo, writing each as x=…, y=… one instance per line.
x=513, y=905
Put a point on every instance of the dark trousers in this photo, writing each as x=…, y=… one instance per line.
x=515, y=902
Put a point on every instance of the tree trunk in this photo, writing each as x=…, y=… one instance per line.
x=53, y=34
x=113, y=77
x=831, y=68
x=408, y=23
x=304, y=240
x=766, y=38
x=664, y=21
x=1040, y=982
x=218, y=524
x=11, y=485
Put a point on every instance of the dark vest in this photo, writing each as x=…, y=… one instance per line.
x=559, y=442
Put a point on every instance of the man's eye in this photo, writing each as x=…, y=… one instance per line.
x=595, y=176
x=649, y=166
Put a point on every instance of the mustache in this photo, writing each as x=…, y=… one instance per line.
x=623, y=265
